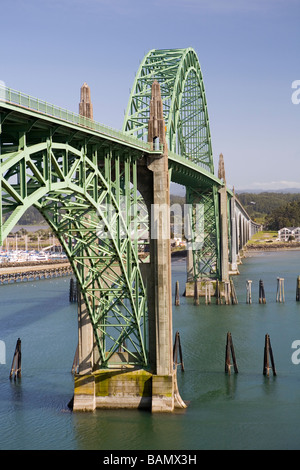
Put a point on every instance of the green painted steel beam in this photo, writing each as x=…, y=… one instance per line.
x=75, y=196
x=189, y=141
x=83, y=178
x=185, y=109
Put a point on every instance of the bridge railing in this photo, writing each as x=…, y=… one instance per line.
x=8, y=95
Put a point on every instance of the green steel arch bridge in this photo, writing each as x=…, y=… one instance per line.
x=97, y=187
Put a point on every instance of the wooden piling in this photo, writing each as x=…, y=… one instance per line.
x=298, y=289
x=176, y=350
x=73, y=291
x=227, y=292
x=268, y=355
x=230, y=353
x=15, y=370
x=249, y=294
x=207, y=292
x=262, y=297
x=218, y=294
x=234, y=299
x=177, y=298
x=280, y=290
x=196, y=293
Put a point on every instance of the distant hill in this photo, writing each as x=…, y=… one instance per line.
x=30, y=217
x=258, y=191
x=265, y=207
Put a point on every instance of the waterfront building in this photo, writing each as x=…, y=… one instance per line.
x=289, y=233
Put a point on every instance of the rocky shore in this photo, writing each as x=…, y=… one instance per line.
x=272, y=246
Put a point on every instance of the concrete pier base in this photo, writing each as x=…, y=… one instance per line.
x=204, y=285
x=84, y=393
x=121, y=385
x=126, y=389
x=190, y=288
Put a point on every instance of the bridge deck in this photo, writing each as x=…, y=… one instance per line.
x=39, y=117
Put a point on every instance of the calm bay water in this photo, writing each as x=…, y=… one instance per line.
x=240, y=411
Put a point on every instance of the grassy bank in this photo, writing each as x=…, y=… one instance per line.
x=268, y=240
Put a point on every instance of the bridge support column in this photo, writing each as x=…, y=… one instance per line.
x=223, y=223
x=233, y=254
x=164, y=377
x=84, y=393
x=128, y=386
x=224, y=234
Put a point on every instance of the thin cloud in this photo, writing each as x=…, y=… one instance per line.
x=277, y=184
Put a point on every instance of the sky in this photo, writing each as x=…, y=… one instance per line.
x=248, y=52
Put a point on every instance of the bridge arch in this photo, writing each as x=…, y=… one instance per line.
x=185, y=109
x=187, y=133
x=81, y=203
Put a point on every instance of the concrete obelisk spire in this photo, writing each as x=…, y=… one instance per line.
x=85, y=105
x=221, y=170
x=156, y=123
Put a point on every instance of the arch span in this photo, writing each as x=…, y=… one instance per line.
x=80, y=199
x=185, y=109
x=182, y=89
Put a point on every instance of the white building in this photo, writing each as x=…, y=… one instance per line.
x=285, y=233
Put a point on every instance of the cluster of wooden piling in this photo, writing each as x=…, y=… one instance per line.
x=269, y=363
x=280, y=295
x=230, y=357
x=227, y=297
x=225, y=292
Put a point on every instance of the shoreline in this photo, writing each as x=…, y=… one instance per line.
x=271, y=247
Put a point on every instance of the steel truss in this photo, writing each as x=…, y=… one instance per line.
x=185, y=110
x=205, y=238
x=88, y=195
x=188, y=134
x=84, y=179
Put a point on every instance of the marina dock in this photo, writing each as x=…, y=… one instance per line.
x=33, y=272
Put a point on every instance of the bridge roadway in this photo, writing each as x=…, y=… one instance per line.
x=71, y=168
x=21, y=109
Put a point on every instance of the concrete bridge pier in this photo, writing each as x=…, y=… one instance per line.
x=234, y=247
x=165, y=395
x=204, y=284
x=154, y=387
x=223, y=222
x=84, y=391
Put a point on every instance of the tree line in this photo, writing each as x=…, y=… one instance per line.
x=273, y=210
